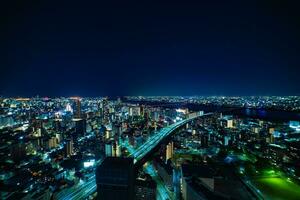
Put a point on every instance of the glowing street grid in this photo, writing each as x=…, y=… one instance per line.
x=84, y=189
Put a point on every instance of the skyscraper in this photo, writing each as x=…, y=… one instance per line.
x=115, y=179
x=109, y=149
x=169, y=151
x=78, y=107
x=80, y=127
x=69, y=147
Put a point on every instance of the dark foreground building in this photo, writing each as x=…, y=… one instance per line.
x=145, y=189
x=115, y=179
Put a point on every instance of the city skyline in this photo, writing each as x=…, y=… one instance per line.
x=150, y=148
x=150, y=100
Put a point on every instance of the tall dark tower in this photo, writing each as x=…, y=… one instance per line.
x=78, y=107
x=115, y=179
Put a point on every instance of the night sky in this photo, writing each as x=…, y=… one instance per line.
x=60, y=48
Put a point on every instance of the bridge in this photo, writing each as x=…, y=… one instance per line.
x=141, y=152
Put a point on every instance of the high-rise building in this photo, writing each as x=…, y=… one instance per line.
x=115, y=179
x=145, y=189
x=69, y=147
x=80, y=127
x=272, y=138
x=169, y=151
x=193, y=132
x=156, y=116
x=78, y=107
x=229, y=123
x=112, y=149
x=52, y=142
x=130, y=111
x=134, y=111
x=105, y=111
x=18, y=151
x=109, y=149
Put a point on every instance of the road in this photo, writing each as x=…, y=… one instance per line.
x=84, y=189
x=140, y=152
x=162, y=191
x=81, y=190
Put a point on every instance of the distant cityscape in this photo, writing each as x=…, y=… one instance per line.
x=150, y=147
x=287, y=103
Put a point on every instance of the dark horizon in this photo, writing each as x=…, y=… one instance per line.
x=159, y=49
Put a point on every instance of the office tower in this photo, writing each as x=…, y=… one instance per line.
x=142, y=111
x=156, y=116
x=272, y=138
x=130, y=111
x=109, y=149
x=52, y=142
x=80, y=127
x=115, y=179
x=69, y=147
x=105, y=111
x=193, y=132
x=112, y=149
x=134, y=111
x=78, y=107
x=169, y=151
x=17, y=151
x=271, y=130
x=229, y=123
x=118, y=150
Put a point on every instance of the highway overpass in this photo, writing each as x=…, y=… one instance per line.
x=153, y=142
